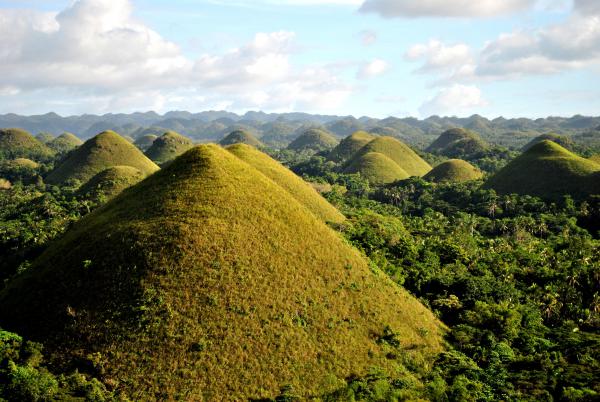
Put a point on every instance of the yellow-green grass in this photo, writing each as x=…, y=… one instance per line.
x=105, y=150
x=377, y=168
x=111, y=182
x=563, y=141
x=549, y=171
x=240, y=137
x=453, y=170
x=145, y=141
x=397, y=151
x=208, y=281
x=285, y=178
x=17, y=143
x=5, y=184
x=458, y=142
x=65, y=142
x=44, y=138
x=313, y=140
x=24, y=163
x=350, y=145
x=168, y=147
x=595, y=158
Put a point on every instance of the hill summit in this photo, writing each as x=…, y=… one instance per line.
x=105, y=150
x=241, y=137
x=16, y=143
x=377, y=168
x=350, y=145
x=208, y=281
x=315, y=140
x=64, y=143
x=563, y=141
x=453, y=170
x=458, y=143
x=168, y=147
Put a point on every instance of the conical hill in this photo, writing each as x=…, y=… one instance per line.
x=105, y=150
x=349, y=146
x=377, y=168
x=240, y=137
x=168, y=147
x=208, y=281
x=458, y=142
x=17, y=143
x=285, y=178
x=315, y=140
x=110, y=182
x=453, y=170
x=65, y=142
x=144, y=142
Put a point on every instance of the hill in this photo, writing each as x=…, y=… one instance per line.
x=549, y=171
x=208, y=281
x=458, y=142
x=16, y=143
x=377, y=168
x=285, y=178
x=563, y=141
x=168, y=146
x=64, y=143
x=398, y=152
x=453, y=170
x=110, y=182
x=240, y=137
x=349, y=146
x=24, y=163
x=313, y=140
x=44, y=138
x=144, y=142
x=105, y=150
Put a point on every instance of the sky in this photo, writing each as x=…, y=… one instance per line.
x=378, y=58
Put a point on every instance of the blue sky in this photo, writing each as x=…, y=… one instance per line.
x=377, y=58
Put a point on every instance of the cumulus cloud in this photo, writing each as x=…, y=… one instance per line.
x=438, y=56
x=444, y=8
x=454, y=100
x=372, y=69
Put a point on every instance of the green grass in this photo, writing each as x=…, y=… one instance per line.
x=110, y=182
x=241, y=137
x=549, y=171
x=564, y=142
x=44, y=138
x=285, y=178
x=453, y=170
x=377, y=168
x=17, y=143
x=105, y=150
x=65, y=142
x=25, y=163
x=208, y=280
x=595, y=158
x=314, y=140
x=168, y=147
x=397, y=151
x=145, y=141
x=349, y=146
x=458, y=142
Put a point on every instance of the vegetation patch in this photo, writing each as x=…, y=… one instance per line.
x=168, y=146
x=17, y=143
x=314, y=140
x=377, y=168
x=349, y=146
x=453, y=170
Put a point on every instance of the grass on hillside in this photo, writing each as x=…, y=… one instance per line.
x=349, y=146
x=458, y=142
x=453, y=170
x=110, y=182
x=241, y=137
x=168, y=147
x=145, y=141
x=377, y=168
x=64, y=143
x=208, y=280
x=24, y=163
x=17, y=143
x=563, y=141
x=313, y=140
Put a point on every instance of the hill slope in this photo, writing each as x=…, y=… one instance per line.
x=105, y=150
x=397, y=151
x=549, y=171
x=350, y=146
x=144, y=142
x=563, y=141
x=313, y=140
x=285, y=178
x=377, y=168
x=168, y=147
x=240, y=137
x=16, y=143
x=595, y=158
x=208, y=281
x=110, y=182
x=64, y=143
x=453, y=170
x=458, y=142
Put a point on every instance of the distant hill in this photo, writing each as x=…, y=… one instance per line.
x=397, y=151
x=549, y=171
x=64, y=143
x=285, y=178
x=24, y=163
x=110, y=182
x=105, y=150
x=208, y=279
x=44, y=138
x=313, y=140
x=565, y=142
x=240, y=137
x=350, y=145
x=377, y=168
x=458, y=143
x=453, y=170
x=168, y=146
x=16, y=143
x=144, y=142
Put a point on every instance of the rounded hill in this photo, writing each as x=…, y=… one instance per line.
x=314, y=140
x=240, y=137
x=377, y=168
x=144, y=142
x=24, y=163
x=64, y=143
x=453, y=170
x=17, y=143
x=458, y=142
x=350, y=145
x=208, y=280
x=110, y=182
x=549, y=171
x=285, y=178
x=105, y=150
x=44, y=138
x=563, y=141
x=168, y=147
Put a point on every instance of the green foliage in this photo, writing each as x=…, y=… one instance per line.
x=349, y=146
x=109, y=183
x=16, y=143
x=168, y=147
x=64, y=143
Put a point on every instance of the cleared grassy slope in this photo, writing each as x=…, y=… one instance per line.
x=111, y=182
x=168, y=147
x=563, y=141
x=453, y=170
x=377, y=168
x=313, y=140
x=207, y=280
x=145, y=141
x=349, y=146
x=17, y=143
x=64, y=143
x=458, y=142
x=241, y=137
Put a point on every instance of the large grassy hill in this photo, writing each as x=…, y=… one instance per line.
x=64, y=143
x=285, y=178
x=105, y=150
x=314, y=140
x=168, y=146
x=349, y=146
x=458, y=142
x=208, y=281
x=549, y=171
x=16, y=143
x=453, y=170
x=144, y=142
x=110, y=182
x=561, y=140
x=377, y=168
x=241, y=137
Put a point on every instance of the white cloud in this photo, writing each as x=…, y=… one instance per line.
x=373, y=69
x=454, y=100
x=368, y=37
x=444, y=8
x=438, y=56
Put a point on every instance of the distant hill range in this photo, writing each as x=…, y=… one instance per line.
x=282, y=128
